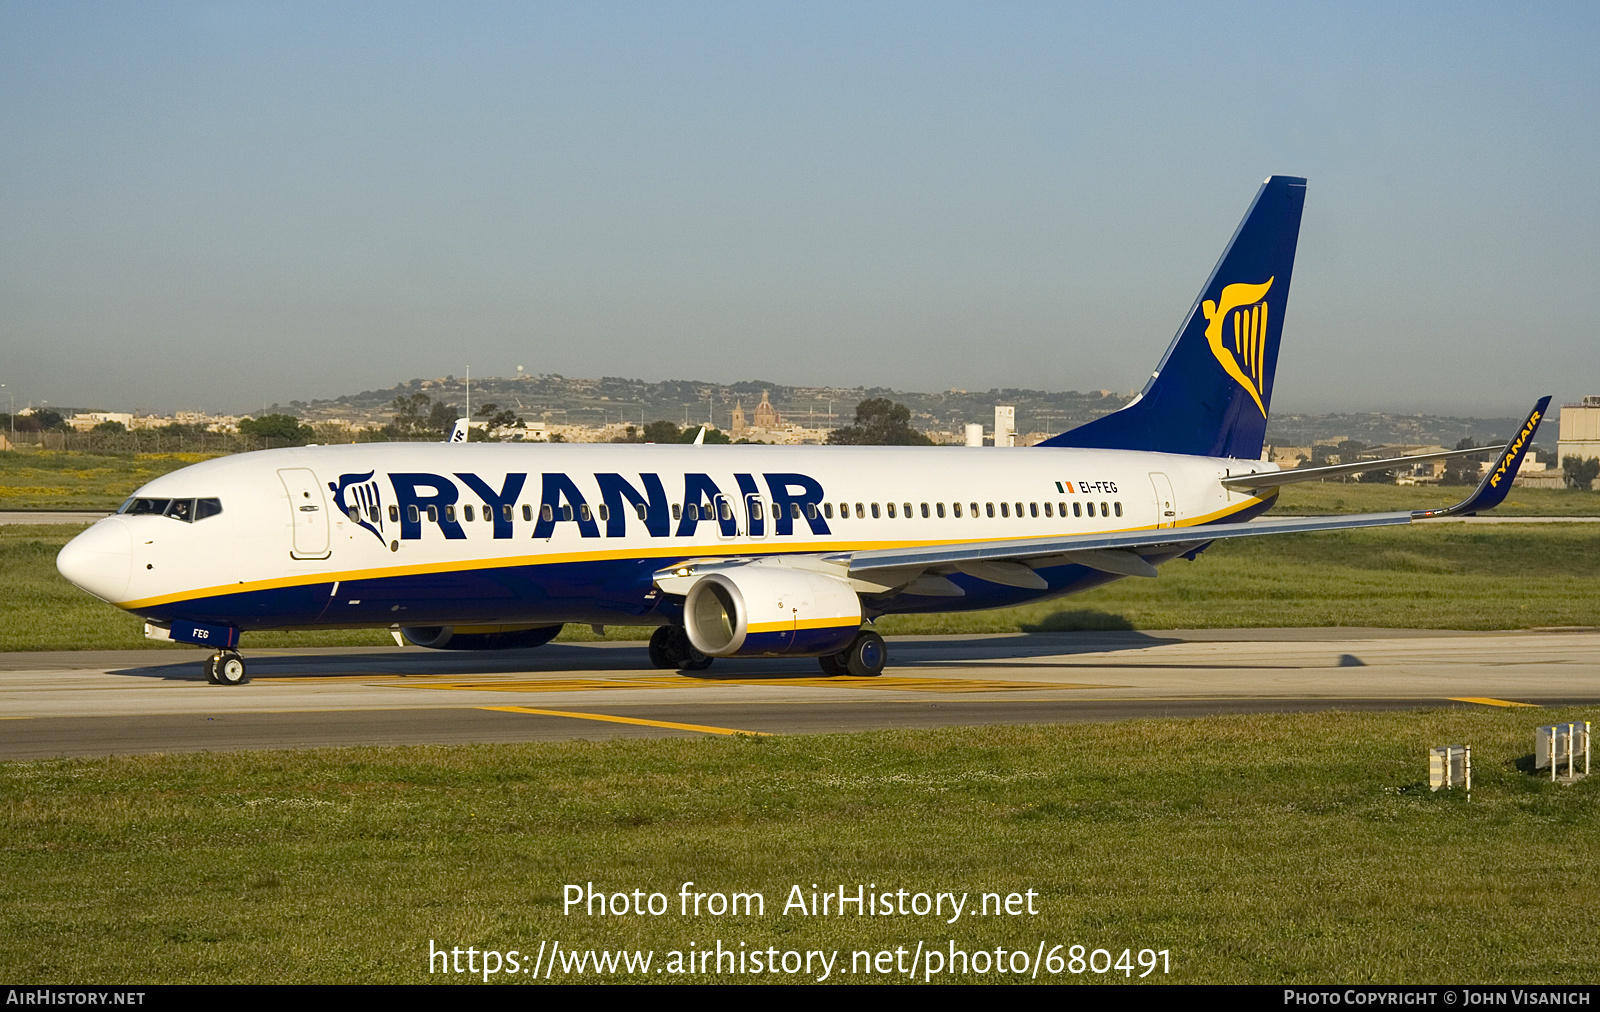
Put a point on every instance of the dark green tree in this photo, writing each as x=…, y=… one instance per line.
x=660, y=432
x=417, y=416
x=1462, y=470
x=879, y=422
x=284, y=429
x=1580, y=472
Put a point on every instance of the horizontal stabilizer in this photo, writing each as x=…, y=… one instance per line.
x=1273, y=479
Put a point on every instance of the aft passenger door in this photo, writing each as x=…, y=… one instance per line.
x=1166, y=505
x=308, y=513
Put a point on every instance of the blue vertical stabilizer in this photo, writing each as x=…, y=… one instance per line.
x=1211, y=394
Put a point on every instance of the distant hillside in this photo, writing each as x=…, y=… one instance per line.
x=574, y=401
x=611, y=399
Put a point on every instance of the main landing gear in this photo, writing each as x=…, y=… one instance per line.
x=670, y=648
x=863, y=658
x=226, y=667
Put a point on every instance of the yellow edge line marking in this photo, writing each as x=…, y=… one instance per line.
x=624, y=720
x=654, y=552
x=1486, y=701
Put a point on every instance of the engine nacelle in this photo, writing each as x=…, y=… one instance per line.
x=759, y=610
x=479, y=637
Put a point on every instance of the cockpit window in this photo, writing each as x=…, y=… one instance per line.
x=187, y=510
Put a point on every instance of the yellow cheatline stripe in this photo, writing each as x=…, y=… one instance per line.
x=16, y=718
x=735, y=548
x=1486, y=701
x=780, y=682
x=840, y=622
x=624, y=720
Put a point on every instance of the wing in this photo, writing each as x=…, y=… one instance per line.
x=1124, y=553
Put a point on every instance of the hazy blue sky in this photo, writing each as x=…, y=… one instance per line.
x=212, y=205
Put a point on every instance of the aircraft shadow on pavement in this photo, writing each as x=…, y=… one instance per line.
x=558, y=658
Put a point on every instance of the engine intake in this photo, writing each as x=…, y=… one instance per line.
x=770, y=611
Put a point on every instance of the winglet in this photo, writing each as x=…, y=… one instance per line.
x=1497, y=483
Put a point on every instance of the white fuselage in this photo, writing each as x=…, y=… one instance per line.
x=408, y=533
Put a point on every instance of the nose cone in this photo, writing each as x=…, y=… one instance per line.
x=100, y=560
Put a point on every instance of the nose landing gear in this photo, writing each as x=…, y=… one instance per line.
x=226, y=667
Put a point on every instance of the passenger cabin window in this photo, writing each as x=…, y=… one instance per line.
x=466, y=511
x=956, y=507
x=794, y=511
x=874, y=511
x=1105, y=510
x=527, y=511
x=1005, y=509
x=811, y=511
x=861, y=511
x=908, y=510
x=1077, y=510
x=450, y=513
x=939, y=508
x=433, y=514
x=547, y=512
x=639, y=509
x=411, y=514
x=827, y=510
x=925, y=511
x=1118, y=507
x=583, y=512
x=975, y=510
x=891, y=510
x=394, y=514
x=1033, y=509
x=1047, y=510
x=677, y=512
x=505, y=512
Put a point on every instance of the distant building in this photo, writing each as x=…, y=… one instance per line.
x=1005, y=425
x=1580, y=429
x=83, y=421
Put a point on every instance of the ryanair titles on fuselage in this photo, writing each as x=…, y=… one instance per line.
x=424, y=497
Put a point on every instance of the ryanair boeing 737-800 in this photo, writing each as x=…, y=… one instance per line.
x=735, y=550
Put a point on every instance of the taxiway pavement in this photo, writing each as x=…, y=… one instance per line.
x=137, y=701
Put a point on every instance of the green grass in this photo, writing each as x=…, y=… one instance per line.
x=1263, y=849
x=1319, y=497
x=1443, y=576
x=77, y=480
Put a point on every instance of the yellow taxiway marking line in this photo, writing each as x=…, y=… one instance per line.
x=1486, y=701
x=679, y=682
x=624, y=720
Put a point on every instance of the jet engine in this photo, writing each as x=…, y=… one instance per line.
x=479, y=637
x=757, y=610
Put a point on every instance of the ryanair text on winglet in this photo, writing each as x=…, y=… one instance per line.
x=1514, y=450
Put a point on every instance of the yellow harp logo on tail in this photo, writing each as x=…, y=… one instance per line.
x=1245, y=361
